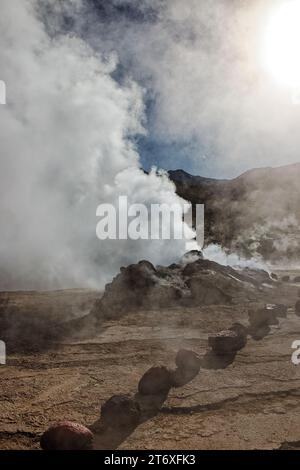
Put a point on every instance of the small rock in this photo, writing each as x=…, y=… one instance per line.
x=278, y=310
x=259, y=332
x=174, y=266
x=191, y=256
x=189, y=360
x=155, y=381
x=226, y=342
x=180, y=377
x=67, y=436
x=297, y=279
x=267, y=315
x=285, y=278
x=120, y=411
x=240, y=329
x=297, y=308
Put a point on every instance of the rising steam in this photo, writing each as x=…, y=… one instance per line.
x=67, y=142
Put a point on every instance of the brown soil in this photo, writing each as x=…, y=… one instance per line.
x=252, y=402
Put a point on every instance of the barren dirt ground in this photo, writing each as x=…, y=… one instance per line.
x=253, y=403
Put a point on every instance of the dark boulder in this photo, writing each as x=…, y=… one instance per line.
x=266, y=315
x=188, y=360
x=188, y=366
x=155, y=381
x=180, y=377
x=120, y=411
x=278, y=310
x=259, y=332
x=241, y=331
x=226, y=342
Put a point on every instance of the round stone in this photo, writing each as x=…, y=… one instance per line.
x=67, y=436
x=155, y=381
x=226, y=342
x=189, y=360
x=120, y=411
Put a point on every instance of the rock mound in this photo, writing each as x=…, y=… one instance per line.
x=196, y=283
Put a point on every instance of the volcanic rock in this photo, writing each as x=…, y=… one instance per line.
x=189, y=360
x=267, y=315
x=226, y=342
x=174, y=266
x=205, y=292
x=120, y=411
x=259, y=332
x=258, y=317
x=244, y=202
x=200, y=282
x=155, y=381
x=191, y=256
x=285, y=278
x=67, y=436
x=180, y=377
x=140, y=286
x=278, y=310
x=241, y=331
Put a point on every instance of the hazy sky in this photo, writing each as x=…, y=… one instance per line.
x=212, y=108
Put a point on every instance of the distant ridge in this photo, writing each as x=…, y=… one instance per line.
x=254, y=214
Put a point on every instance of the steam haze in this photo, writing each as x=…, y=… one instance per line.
x=96, y=90
x=67, y=146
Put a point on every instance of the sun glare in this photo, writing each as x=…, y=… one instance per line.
x=282, y=44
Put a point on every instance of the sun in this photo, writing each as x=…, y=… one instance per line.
x=281, y=51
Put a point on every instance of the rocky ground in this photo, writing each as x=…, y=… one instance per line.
x=251, y=401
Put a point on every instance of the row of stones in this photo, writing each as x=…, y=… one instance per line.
x=124, y=411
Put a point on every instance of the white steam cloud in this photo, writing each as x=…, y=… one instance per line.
x=66, y=146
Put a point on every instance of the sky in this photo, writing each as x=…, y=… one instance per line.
x=211, y=107
x=99, y=90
